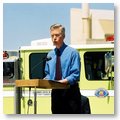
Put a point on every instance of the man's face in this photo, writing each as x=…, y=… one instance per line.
x=57, y=37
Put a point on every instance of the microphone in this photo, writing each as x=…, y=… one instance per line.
x=48, y=58
x=45, y=59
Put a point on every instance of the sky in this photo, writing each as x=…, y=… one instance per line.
x=24, y=22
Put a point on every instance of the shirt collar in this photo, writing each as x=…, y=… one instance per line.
x=61, y=48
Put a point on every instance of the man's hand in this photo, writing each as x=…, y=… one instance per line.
x=64, y=81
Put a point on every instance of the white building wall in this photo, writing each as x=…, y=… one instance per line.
x=76, y=26
x=101, y=23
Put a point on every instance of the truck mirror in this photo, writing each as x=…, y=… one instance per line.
x=108, y=62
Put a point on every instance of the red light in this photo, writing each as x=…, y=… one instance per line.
x=5, y=55
x=110, y=38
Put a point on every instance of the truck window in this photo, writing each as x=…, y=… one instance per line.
x=37, y=65
x=95, y=66
x=8, y=72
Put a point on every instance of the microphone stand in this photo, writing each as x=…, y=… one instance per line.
x=35, y=101
x=29, y=100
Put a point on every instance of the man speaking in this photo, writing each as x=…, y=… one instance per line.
x=64, y=67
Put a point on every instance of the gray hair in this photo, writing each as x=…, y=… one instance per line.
x=54, y=26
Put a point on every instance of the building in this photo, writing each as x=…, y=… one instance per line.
x=91, y=25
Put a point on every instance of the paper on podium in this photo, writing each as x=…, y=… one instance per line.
x=41, y=83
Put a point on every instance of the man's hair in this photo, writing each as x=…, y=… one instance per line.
x=54, y=26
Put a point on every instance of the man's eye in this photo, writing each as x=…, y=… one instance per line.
x=56, y=35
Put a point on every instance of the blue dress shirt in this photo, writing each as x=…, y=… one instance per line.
x=70, y=64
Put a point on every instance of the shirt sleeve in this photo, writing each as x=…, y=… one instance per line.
x=74, y=68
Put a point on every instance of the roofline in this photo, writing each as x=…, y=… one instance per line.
x=84, y=46
x=92, y=46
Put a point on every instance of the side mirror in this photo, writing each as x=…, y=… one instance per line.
x=108, y=62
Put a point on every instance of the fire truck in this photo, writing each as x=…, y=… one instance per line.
x=96, y=78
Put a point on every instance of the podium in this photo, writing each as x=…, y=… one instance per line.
x=36, y=83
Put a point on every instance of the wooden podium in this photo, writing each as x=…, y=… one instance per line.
x=40, y=83
x=36, y=83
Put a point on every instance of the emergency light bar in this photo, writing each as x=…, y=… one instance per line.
x=109, y=37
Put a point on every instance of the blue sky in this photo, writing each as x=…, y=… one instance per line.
x=24, y=22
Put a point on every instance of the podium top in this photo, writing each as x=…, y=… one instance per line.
x=41, y=83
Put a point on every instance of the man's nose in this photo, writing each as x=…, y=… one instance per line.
x=54, y=37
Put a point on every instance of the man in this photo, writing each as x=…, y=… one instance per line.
x=65, y=68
